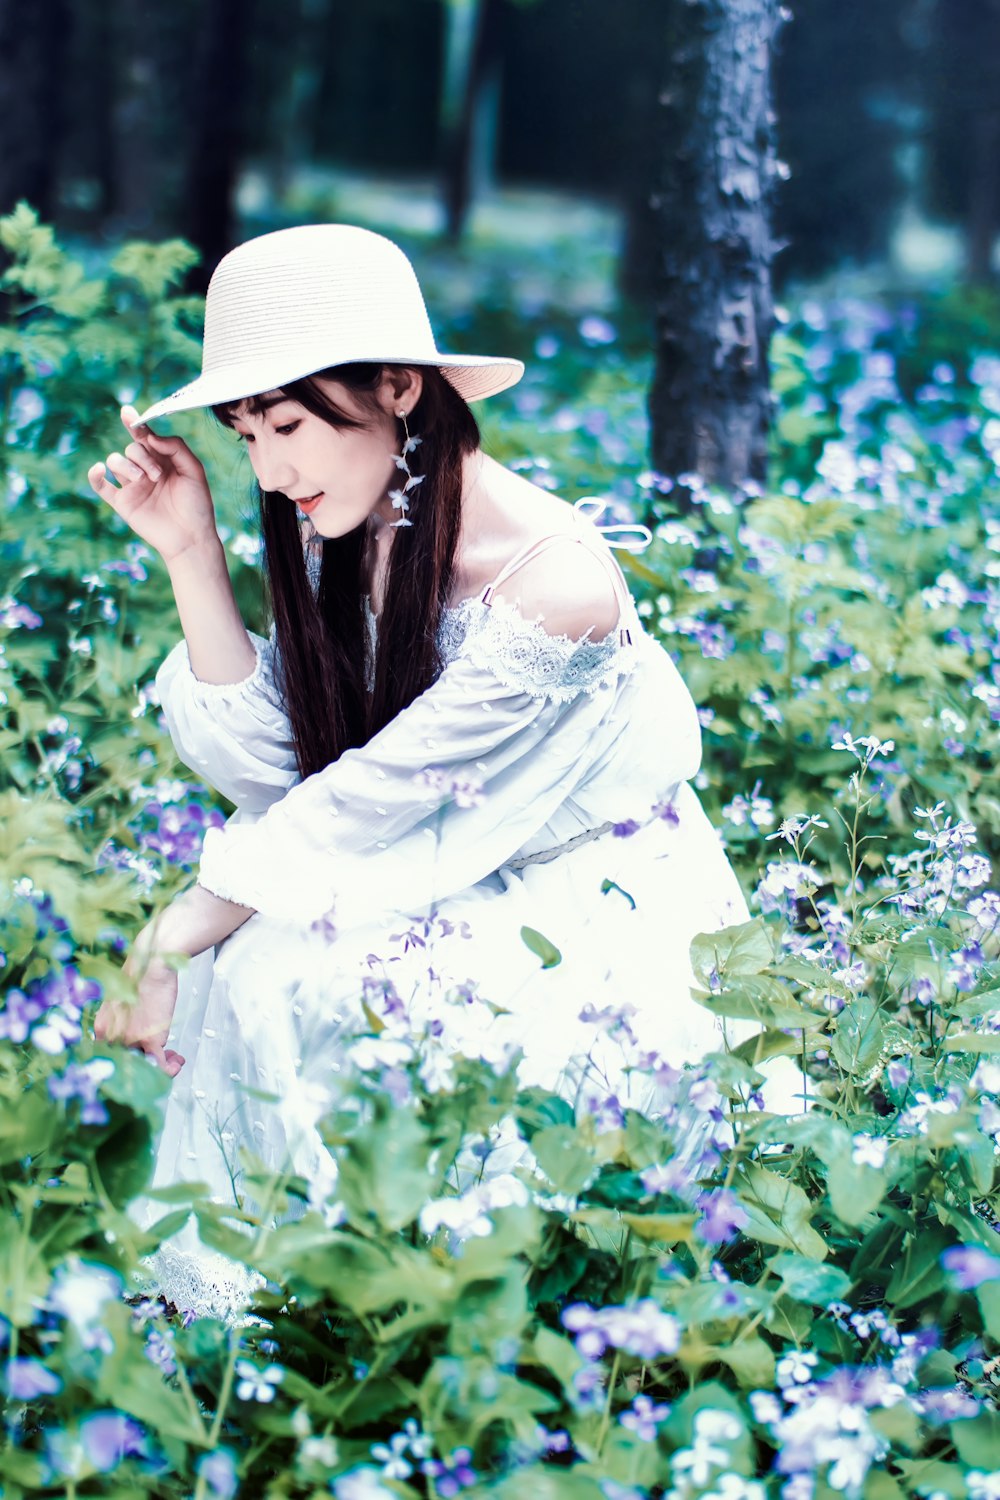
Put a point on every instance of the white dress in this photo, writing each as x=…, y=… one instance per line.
x=540, y=782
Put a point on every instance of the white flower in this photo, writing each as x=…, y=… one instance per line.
x=370, y=1053
x=362, y=1484
x=468, y=1216
x=869, y=1150
x=322, y=1451
x=795, y=1368
x=80, y=1289
x=257, y=1385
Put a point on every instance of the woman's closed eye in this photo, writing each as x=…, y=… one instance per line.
x=247, y=437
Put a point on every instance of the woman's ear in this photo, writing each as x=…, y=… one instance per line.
x=401, y=389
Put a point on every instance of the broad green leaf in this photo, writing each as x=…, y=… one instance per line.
x=857, y=1040
x=742, y=949
x=808, y=1282
x=779, y=1212
x=917, y=1274
x=978, y=1440
x=565, y=1160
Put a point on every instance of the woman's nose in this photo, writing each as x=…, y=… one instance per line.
x=273, y=472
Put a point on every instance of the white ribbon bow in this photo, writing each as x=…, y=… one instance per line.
x=626, y=536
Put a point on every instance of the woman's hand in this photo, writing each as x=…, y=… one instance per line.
x=162, y=491
x=194, y=921
x=146, y=1024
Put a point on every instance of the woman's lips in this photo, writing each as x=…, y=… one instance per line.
x=308, y=505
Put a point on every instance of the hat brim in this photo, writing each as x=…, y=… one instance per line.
x=474, y=376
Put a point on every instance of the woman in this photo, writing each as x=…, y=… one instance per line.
x=457, y=731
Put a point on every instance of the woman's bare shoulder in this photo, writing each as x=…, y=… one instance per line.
x=568, y=587
x=505, y=515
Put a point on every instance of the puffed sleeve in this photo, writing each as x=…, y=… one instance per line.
x=435, y=801
x=235, y=736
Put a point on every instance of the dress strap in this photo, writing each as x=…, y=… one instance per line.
x=533, y=549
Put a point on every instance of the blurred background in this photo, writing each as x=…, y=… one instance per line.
x=208, y=118
x=568, y=157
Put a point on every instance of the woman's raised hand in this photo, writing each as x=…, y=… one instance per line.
x=162, y=492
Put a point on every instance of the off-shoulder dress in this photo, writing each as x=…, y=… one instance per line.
x=540, y=782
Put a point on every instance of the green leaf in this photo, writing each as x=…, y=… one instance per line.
x=751, y=1361
x=856, y=1189
x=933, y=1477
x=566, y=1161
x=988, y=1295
x=386, y=1173
x=758, y=997
x=668, y=1229
x=539, y=945
x=857, y=1040
x=779, y=1212
x=973, y=1041
x=806, y=1281
x=918, y=1274
x=24, y=1276
x=745, y=948
x=978, y=1440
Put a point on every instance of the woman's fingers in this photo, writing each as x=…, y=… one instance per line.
x=173, y=448
x=143, y=459
x=123, y=468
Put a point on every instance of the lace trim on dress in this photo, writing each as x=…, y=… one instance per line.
x=522, y=655
x=526, y=657
x=208, y=1284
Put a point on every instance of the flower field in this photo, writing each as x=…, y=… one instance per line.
x=715, y=1301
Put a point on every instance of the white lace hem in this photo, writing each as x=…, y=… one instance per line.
x=207, y=1283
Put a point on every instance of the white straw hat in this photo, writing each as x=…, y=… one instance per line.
x=291, y=303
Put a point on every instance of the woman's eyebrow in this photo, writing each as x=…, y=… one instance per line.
x=263, y=404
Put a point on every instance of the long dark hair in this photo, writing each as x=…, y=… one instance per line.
x=323, y=639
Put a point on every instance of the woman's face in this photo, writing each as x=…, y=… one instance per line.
x=339, y=477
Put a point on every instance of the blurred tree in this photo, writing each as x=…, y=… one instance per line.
x=32, y=40
x=962, y=81
x=470, y=102
x=844, y=82
x=380, y=85
x=709, y=402
x=215, y=142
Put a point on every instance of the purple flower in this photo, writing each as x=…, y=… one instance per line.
x=674, y=1178
x=82, y=1081
x=28, y=1379
x=218, y=1470
x=597, y=330
x=19, y=1013
x=723, y=1216
x=642, y=1328
x=626, y=829
x=969, y=1266
x=110, y=1436
x=176, y=831
x=643, y=1418
x=13, y=615
x=451, y=1475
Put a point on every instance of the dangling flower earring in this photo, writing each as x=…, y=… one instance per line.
x=400, y=498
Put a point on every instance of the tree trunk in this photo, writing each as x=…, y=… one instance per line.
x=709, y=403
x=32, y=39
x=217, y=134
x=983, y=222
x=470, y=122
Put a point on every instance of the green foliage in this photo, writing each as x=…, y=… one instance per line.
x=702, y=1300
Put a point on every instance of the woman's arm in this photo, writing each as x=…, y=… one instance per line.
x=219, y=648
x=193, y=921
